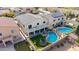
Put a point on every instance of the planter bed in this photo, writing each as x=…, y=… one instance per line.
x=22, y=46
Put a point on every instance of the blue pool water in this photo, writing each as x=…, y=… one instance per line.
x=65, y=29
x=52, y=37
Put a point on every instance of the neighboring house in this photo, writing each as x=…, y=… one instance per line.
x=54, y=19
x=2, y=11
x=75, y=23
x=21, y=10
x=32, y=24
x=17, y=10
x=4, y=8
x=9, y=30
x=27, y=10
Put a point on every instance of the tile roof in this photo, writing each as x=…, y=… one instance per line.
x=28, y=18
x=6, y=21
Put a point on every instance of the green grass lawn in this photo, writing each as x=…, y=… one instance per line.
x=77, y=40
x=22, y=46
x=36, y=40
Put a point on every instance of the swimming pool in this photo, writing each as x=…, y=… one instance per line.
x=64, y=29
x=52, y=37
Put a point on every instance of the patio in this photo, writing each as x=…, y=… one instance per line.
x=67, y=47
x=72, y=38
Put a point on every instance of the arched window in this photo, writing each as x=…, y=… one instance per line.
x=29, y=26
x=62, y=18
x=44, y=22
x=37, y=23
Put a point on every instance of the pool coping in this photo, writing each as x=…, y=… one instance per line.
x=56, y=40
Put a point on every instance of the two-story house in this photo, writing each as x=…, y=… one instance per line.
x=8, y=30
x=32, y=24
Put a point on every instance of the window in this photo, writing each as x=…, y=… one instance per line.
x=28, y=9
x=58, y=18
x=37, y=23
x=42, y=30
x=43, y=21
x=46, y=28
x=61, y=23
x=31, y=33
x=54, y=20
x=13, y=31
x=29, y=26
x=1, y=41
x=0, y=34
x=53, y=25
x=62, y=18
x=37, y=32
x=19, y=10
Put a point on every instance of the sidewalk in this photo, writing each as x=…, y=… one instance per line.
x=7, y=48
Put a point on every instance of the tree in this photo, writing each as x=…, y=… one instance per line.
x=67, y=14
x=4, y=14
x=11, y=14
x=77, y=16
x=77, y=30
x=72, y=15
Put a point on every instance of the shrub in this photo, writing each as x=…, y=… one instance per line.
x=11, y=14
x=58, y=46
x=62, y=44
x=69, y=26
x=4, y=14
x=77, y=30
x=77, y=40
x=64, y=41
